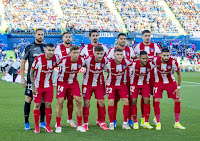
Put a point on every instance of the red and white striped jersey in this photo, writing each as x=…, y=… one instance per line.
x=140, y=74
x=44, y=70
x=94, y=71
x=88, y=50
x=164, y=71
x=153, y=49
x=62, y=51
x=68, y=70
x=117, y=72
x=127, y=51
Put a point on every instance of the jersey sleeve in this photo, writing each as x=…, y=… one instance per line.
x=83, y=52
x=136, y=50
x=157, y=49
x=132, y=53
x=152, y=65
x=26, y=52
x=175, y=65
x=35, y=64
x=83, y=61
x=57, y=51
x=110, y=54
x=107, y=66
x=57, y=60
x=154, y=61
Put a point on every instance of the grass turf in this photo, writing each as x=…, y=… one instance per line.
x=12, y=119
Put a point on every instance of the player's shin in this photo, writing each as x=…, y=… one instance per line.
x=86, y=112
x=27, y=107
x=146, y=112
x=126, y=112
x=102, y=114
x=111, y=113
x=36, y=114
x=177, y=110
x=157, y=110
x=42, y=112
x=48, y=114
x=142, y=107
x=134, y=112
x=70, y=107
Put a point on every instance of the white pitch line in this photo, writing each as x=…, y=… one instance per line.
x=190, y=82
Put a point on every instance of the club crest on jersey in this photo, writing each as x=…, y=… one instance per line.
x=102, y=64
x=151, y=49
x=54, y=63
x=79, y=66
x=127, y=53
x=148, y=69
x=169, y=67
x=124, y=66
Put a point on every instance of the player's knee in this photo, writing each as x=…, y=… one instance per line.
x=134, y=101
x=157, y=99
x=36, y=106
x=87, y=103
x=78, y=101
x=101, y=103
x=60, y=101
x=28, y=99
x=111, y=102
x=48, y=104
x=146, y=101
x=177, y=100
x=125, y=101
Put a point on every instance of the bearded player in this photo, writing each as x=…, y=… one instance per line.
x=63, y=50
x=152, y=49
x=129, y=54
x=88, y=50
x=165, y=80
x=139, y=84
x=31, y=51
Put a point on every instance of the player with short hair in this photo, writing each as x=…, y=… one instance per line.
x=139, y=84
x=153, y=49
x=88, y=50
x=63, y=50
x=68, y=86
x=130, y=55
x=42, y=85
x=116, y=83
x=30, y=52
x=93, y=83
x=165, y=80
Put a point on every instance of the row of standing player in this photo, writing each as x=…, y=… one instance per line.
x=88, y=50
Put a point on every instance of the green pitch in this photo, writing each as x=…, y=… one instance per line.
x=12, y=119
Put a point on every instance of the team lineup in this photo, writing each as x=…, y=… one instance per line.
x=144, y=70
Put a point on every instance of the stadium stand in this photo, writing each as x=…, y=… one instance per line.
x=145, y=14
x=187, y=13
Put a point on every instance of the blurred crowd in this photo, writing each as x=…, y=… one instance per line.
x=187, y=13
x=83, y=15
x=139, y=15
x=27, y=15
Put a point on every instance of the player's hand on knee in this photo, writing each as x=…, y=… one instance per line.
x=177, y=92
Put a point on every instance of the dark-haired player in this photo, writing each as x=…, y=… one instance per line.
x=63, y=50
x=88, y=50
x=139, y=84
x=93, y=83
x=42, y=85
x=130, y=55
x=165, y=80
x=152, y=49
x=31, y=51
